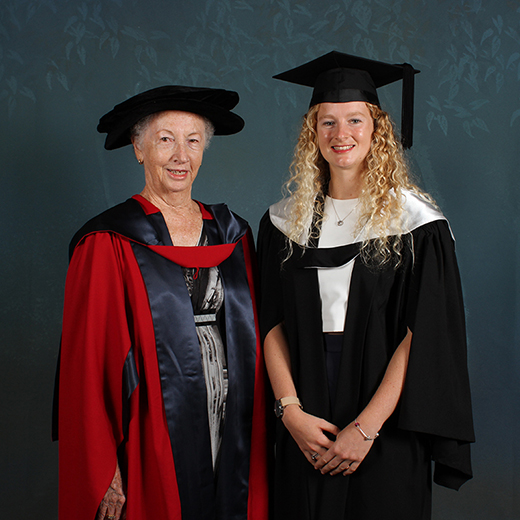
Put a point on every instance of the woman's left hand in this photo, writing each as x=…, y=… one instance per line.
x=346, y=454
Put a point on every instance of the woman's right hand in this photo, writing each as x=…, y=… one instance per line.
x=308, y=431
x=111, y=507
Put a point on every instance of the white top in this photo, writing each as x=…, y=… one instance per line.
x=334, y=282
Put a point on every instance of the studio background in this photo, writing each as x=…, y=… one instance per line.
x=64, y=63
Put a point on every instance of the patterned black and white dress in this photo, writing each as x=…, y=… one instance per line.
x=207, y=296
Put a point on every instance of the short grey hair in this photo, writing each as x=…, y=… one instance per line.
x=137, y=131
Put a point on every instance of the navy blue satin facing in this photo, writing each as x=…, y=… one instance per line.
x=182, y=382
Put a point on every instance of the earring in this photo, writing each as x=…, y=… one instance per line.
x=140, y=161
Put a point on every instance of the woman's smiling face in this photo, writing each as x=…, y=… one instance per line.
x=344, y=135
x=171, y=149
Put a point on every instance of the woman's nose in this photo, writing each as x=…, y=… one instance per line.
x=342, y=130
x=180, y=153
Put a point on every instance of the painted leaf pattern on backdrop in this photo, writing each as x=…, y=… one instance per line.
x=244, y=42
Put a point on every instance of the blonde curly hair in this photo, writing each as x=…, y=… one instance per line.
x=381, y=202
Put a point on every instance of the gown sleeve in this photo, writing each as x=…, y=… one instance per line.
x=95, y=343
x=271, y=249
x=436, y=396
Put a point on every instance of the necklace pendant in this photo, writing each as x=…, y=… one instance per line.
x=340, y=222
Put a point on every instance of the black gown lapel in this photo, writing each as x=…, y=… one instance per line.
x=327, y=497
x=233, y=467
x=356, y=324
x=312, y=353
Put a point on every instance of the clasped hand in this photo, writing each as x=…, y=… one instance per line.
x=343, y=455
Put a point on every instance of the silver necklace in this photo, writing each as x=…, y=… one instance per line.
x=341, y=220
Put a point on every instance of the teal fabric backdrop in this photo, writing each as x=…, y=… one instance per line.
x=64, y=63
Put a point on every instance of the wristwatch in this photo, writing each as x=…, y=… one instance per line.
x=280, y=404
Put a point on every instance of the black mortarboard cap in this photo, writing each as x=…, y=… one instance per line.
x=339, y=78
x=214, y=104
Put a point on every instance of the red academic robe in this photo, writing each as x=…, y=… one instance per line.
x=131, y=387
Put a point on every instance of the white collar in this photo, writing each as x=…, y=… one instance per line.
x=417, y=212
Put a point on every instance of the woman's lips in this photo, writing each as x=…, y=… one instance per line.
x=178, y=173
x=343, y=148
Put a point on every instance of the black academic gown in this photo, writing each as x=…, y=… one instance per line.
x=433, y=420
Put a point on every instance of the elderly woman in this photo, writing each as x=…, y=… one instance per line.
x=161, y=403
x=362, y=314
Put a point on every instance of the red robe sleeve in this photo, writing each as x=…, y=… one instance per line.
x=95, y=344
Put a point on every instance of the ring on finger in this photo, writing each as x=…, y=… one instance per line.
x=315, y=457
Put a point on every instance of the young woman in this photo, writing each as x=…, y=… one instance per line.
x=361, y=314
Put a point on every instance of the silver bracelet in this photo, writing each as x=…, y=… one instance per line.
x=365, y=436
